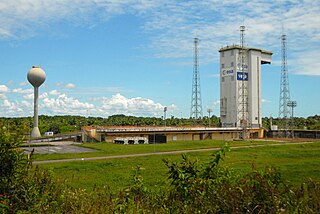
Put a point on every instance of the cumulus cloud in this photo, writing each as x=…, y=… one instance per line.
x=3, y=89
x=65, y=105
x=307, y=63
x=216, y=104
x=43, y=95
x=23, y=83
x=10, y=108
x=28, y=96
x=62, y=104
x=22, y=91
x=70, y=86
x=171, y=25
x=54, y=92
x=212, y=22
x=23, y=18
x=265, y=101
x=3, y=97
x=118, y=104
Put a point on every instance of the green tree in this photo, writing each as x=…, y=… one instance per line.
x=12, y=160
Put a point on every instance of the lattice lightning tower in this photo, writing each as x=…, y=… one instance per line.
x=284, y=111
x=243, y=115
x=196, y=104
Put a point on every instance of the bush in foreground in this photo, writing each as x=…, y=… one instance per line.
x=193, y=187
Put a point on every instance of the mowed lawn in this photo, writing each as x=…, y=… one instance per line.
x=110, y=149
x=297, y=163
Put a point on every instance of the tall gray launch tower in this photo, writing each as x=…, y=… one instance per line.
x=241, y=85
x=196, y=104
x=36, y=76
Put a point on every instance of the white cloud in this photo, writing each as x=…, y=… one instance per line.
x=176, y=24
x=43, y=95
x=10, y=109
x=22, y=91
x=22, y=19
x=65, y=105
x=265, y=101
x=306, y=63
x=28, y=96
x=3, y=89
x=118, y=104
x=171, y=25
x=23, y=83
x=70, y=85
x=216, y=103
x=54, y=92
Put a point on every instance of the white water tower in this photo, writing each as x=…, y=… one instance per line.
x=36, y=76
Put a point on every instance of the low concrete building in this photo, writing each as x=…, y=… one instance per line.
x=164, y=134
x=131, y=140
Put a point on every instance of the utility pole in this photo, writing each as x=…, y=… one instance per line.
x=209, y=110
x=292, y=104
x=165, y=115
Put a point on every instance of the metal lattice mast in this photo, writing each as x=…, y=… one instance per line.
x=284, y=111
x=242, y=87
x=196, y=104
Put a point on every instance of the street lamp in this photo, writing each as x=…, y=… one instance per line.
x=164, y=115
x=209, y=110
x=292, y=104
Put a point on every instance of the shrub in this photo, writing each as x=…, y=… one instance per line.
x=193, y=187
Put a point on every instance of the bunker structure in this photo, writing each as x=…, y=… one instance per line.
x=241, y=67
x=151, y=135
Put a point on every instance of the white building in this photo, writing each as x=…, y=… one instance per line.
x=231, y=79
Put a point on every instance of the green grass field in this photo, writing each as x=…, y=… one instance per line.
x=296, y=162
x=110, y=149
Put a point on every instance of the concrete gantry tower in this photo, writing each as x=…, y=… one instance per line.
x=196, y=103
x=36, y=76
x=240, y=85
x=284, y=111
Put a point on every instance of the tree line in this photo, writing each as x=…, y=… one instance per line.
x=69, y=123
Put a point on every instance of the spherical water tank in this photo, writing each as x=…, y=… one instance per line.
x=36, y=76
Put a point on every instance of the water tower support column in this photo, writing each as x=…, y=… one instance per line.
x=35, y=131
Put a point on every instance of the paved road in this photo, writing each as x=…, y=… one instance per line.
x=160, y=153
x=57, y=149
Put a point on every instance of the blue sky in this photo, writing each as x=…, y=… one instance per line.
x=134, y=57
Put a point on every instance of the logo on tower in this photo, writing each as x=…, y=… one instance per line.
x=242, y=76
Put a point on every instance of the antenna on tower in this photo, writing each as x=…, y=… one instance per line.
x=243, y=113
x=284, y=112
x=196, y=104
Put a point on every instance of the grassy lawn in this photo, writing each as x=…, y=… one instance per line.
x=296, y=162
x=110, y=149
